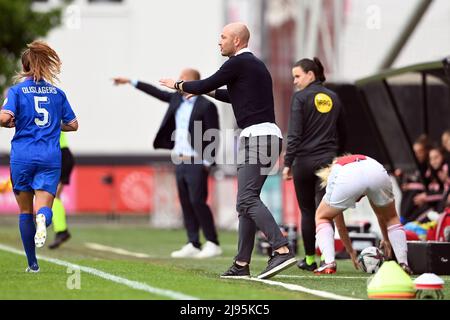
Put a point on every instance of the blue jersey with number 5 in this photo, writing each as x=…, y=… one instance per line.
x=38, y=108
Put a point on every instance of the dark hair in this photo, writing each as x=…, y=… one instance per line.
x=424, y=141
x=312, y=65
x=438, y=148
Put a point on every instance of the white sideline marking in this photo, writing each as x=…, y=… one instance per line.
x=321, y=277
x=295, y=287
x=344, y=277
x=129, y=283
x=101, y=247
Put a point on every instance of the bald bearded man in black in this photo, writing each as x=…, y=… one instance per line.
x=249, y=90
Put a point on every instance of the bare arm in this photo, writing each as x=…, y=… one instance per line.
x=147, y=88
x=385, y=244
x=383, y=228
x=222, y=77
x=72, y=126
x=343, y=233
x=6, y=120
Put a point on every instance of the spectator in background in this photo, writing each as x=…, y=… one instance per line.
x=412, y=183
x=434, y=199
x=191, y=175
x=437, y=182
x=446, y=145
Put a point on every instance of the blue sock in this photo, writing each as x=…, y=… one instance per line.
x=27, y=232
x=48, y=213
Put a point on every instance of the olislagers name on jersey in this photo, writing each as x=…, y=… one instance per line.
x=42, y=90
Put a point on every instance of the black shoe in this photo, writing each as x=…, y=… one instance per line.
x=307, y=267
x=237, y=272
x=60, y=238
x=277, y=263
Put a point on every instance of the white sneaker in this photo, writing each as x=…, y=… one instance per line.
x=188, y=251
x=41, y=231
x=33, y=269
x=210, y=249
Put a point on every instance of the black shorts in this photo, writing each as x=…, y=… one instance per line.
x=67, y=165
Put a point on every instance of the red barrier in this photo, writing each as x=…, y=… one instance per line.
x=133, y=189
x=93, y=194
x=109, y=189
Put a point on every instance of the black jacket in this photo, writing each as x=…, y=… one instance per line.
x=204, y=111
x=316, y=124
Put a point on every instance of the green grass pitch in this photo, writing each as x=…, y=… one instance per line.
x=189, y=277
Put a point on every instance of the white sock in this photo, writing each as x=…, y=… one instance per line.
x=325, y=240
x=397, y=238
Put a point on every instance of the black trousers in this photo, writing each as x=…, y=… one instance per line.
x=309, y=195
x=192, y=184
x=257, y=155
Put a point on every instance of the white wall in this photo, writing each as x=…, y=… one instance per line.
x=365, y=43
x=152, y=39
x=141, y=39
x=431, y=40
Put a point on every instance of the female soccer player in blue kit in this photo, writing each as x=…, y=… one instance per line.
x=39, y=111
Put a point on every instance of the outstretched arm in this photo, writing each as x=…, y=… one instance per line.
x=343, y=233
x=223, y=76
x=147, y=88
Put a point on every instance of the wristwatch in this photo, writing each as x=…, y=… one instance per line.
x=177, y=84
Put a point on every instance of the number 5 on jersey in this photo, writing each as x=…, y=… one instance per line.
x=38, y=102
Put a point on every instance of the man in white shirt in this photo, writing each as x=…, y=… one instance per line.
x=192, y=164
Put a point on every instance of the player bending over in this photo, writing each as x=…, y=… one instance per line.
x=348, y=179
x=39, y=111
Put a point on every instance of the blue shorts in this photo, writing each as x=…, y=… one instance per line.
x=30, y=177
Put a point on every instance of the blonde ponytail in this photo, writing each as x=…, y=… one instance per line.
x=324, y=173
x=39, y=61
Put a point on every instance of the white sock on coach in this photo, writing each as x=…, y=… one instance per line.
x=397, y=238
x=325, y=240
